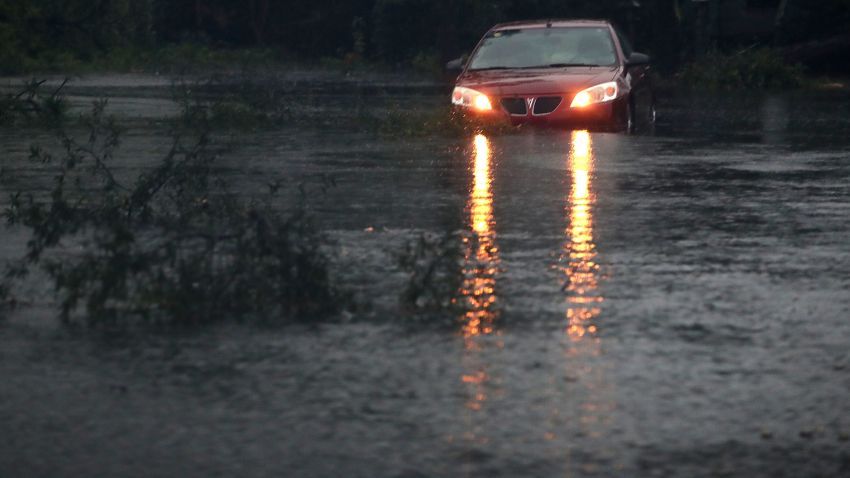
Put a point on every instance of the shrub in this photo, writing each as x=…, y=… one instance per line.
x=448, y=278
x=435, y=273
x=32, y=106
x=428, y=63
x=234, y=105
x=173, y=245
x=439, y=120
x=753, y=68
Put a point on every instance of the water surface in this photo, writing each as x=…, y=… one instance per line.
x=672, y=304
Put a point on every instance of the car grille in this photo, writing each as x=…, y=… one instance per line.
x=514, y=106
x=546, y=104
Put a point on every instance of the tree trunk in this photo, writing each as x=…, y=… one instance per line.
x=777, y=22
x=198, y=13
x=259, y=17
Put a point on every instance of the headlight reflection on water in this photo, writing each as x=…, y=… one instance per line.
x=481, y=256
x=480, y=269
x=579, y=253
x=584, y=406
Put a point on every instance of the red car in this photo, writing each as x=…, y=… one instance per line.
x=580, y=73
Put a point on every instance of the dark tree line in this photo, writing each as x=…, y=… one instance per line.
x=390, y=31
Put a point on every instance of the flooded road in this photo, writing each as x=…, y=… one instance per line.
x=675, y=304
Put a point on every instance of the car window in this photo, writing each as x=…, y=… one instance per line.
x=542, y=47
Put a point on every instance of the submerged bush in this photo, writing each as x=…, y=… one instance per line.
x=231, y=104
x=171, y=245
x=245, y=103
x=452, y=277
x=434, y=265
x=440, y=120
x=759, y=68
x=6, y=298
x=31, y=105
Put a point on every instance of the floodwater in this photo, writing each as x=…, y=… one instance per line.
x=675, y=304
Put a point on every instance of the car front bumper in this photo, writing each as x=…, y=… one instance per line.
x=601, y=115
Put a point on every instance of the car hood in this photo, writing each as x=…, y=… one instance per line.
x=542, y=81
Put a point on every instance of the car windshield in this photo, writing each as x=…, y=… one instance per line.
x=545, y=47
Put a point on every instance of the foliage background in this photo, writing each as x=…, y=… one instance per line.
x=52, y=34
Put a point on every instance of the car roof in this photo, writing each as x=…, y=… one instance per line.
x=551, y=23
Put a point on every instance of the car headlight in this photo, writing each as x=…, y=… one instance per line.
x=470, y=98
x=596, y=94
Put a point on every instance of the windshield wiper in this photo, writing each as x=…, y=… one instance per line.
x=491, y=68
x=563, y=65
x=532, y=67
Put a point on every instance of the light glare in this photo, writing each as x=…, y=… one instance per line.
x=595, y=94
x=581, y=100
x=470, y=98
x=483, y=103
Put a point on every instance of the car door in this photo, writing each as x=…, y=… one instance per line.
x=637, y=76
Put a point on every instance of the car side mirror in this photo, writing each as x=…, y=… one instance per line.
x=456, y=65
x=637, y=59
